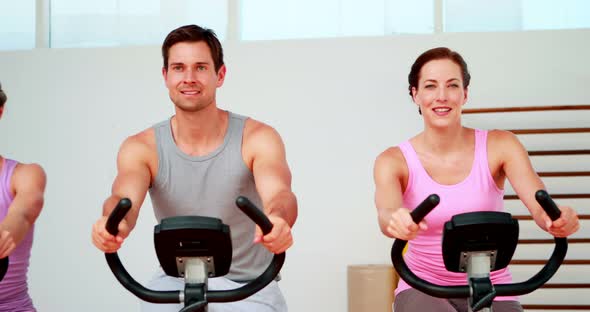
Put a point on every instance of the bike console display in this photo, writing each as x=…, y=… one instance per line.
x=488, y=231
x=179, y=238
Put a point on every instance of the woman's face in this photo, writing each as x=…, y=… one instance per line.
x=440, y=94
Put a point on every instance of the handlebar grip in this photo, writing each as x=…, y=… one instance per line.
x=3, y=267
x=548, y=204
x=254, y=213
x=117, y=215
x=424, y=208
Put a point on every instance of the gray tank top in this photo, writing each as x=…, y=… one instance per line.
x=208, y=186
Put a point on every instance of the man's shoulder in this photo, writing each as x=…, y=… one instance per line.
x=257, y=132
x=145, y=137
x=141, y=143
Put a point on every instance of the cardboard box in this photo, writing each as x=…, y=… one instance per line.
x=371, y=287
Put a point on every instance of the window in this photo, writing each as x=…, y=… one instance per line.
x=481, y=15
x=511, y=15
x=17, y=24
x=405, y=17
x=289, y=19
x=90, y=23
x=548, y=14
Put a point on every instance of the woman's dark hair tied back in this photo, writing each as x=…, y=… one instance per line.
x=3, y=97
x=439, y=53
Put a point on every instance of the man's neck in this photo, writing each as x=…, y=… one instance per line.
x=198, y=133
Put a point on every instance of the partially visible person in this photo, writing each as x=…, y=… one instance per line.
x=21, y=199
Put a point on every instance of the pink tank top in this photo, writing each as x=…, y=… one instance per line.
x=477, y=192
x=14, y=295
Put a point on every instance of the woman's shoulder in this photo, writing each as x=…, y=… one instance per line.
x=391, y=161
x=502, y=144
x=392, y=154
x=501, y=137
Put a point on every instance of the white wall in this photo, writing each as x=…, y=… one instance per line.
x=336, y=102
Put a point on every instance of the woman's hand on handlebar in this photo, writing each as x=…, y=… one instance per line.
x=7, y=244
x=566, y=225
x=106, y=242
x=402, y=226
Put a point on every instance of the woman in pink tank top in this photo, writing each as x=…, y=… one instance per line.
x=466, y=167
x=21, y=199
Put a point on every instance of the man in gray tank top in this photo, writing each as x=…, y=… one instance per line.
x=197, y=162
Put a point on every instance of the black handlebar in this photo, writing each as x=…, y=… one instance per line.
x=112, y=226
x=515, y=289
x=548, y=204
x=153, y=296
x=424, y=208
x=3, y=267
x=254, y=213
x=117, y=215
x=267, y=276
x=402, y=268
x=136, y=288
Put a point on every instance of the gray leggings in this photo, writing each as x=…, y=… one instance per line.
x=412, y=300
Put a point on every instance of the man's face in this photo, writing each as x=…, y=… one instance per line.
x=191, y=78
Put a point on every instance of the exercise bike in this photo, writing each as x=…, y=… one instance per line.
x=477, y=243
x=194, y=248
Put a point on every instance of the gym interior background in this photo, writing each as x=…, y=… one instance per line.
x=337, y=102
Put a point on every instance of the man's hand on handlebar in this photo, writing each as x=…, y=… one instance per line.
x=279, y=239
x=106, y=242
